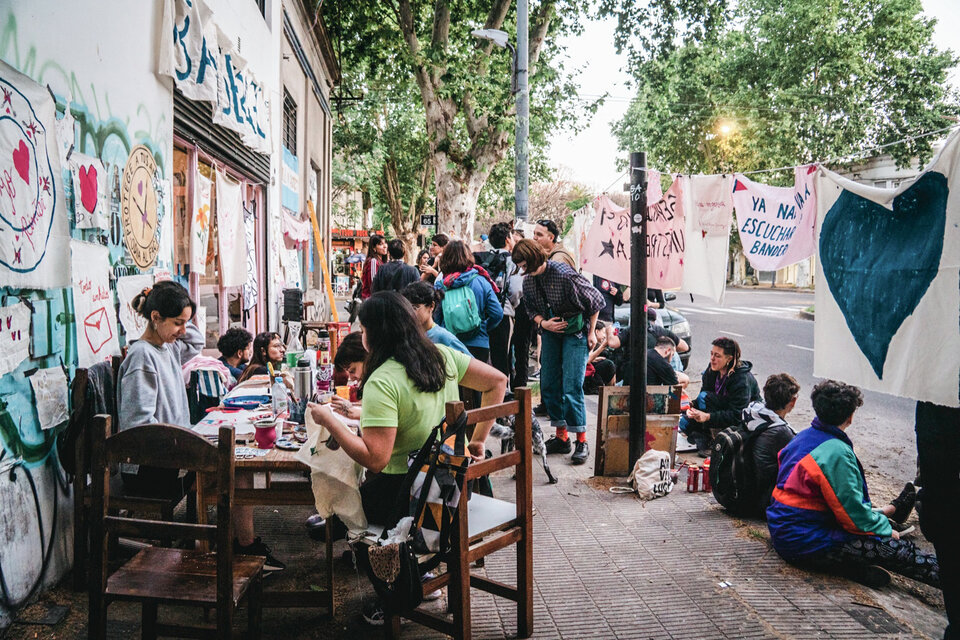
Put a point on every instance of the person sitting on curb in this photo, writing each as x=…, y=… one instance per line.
x=659, y=370
x=728, y=387
x=769, y=418
x=821, y=516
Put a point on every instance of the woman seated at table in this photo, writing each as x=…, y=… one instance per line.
x=407, y=381
x=425, y=300
x=267, y=348
x=150, y=389
x=150, y=386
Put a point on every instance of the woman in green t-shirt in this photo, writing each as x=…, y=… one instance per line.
x=407, y=381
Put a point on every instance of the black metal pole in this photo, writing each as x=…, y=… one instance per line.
x=638, y=298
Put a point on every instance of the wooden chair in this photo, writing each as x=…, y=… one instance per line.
x=170, y=576
x=485, y=525
x=157, y=508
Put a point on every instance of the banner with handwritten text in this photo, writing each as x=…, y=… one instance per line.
x=606, y=251
x=128, y=287
x=776, y=224
x=666, y=242
x=34, y=231
x=96, y=317
x=231, y=236
x=189, y=52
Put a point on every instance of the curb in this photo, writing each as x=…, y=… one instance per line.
x=806, y=315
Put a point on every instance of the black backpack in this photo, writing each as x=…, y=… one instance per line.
x=731, y=477
x=495, y=262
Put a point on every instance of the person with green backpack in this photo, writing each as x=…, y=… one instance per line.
x=470, y=308
x=564, y=306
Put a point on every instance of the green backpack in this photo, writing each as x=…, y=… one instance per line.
x=461, y=314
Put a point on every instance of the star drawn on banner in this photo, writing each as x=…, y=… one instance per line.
x=607, y=248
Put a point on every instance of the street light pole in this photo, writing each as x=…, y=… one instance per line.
x=638, y=296
x=521, y=178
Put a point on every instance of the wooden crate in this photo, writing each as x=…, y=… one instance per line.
x=612, y=457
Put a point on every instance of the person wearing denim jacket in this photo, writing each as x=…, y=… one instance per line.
x=558, y=299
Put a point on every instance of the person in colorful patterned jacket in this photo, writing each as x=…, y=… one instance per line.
x=821, y=516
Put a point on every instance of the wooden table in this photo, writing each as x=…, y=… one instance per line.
x=278, y=493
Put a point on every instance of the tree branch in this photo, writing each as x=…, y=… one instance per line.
x=540, y=28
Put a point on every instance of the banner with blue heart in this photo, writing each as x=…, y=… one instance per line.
x=888, y=290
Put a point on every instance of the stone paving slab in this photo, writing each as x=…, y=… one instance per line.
x=606, y=566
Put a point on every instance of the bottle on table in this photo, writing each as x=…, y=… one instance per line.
x=279, y=393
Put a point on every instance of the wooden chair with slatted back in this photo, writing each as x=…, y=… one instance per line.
x=161, y=508
x=485, y=525
x=159, y=575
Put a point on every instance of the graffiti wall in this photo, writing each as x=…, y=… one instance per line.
x=110, y=101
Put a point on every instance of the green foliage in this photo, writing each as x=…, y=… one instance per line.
x=780, y=82
x=433, y=94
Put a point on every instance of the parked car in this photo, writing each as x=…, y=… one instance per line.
x=670, y=319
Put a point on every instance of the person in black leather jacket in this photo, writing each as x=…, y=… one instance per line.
x=768, y=421
x=728, y=387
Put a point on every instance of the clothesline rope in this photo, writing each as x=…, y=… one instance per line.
x=847, y=158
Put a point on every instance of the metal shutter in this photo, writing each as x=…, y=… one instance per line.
x=193, y=120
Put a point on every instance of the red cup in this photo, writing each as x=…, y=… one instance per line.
x=266, y=436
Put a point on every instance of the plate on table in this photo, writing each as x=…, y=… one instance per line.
x=245, y=402
x=287, y=445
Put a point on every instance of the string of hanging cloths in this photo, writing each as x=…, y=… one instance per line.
x=864, y=237
x=844, y=158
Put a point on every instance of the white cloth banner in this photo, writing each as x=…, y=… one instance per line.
x=96, y=317
x=776, y=224
x=200, y=224
x=128, y=287
x=708, y=204
x=242, y=104
x=89, y=192
x=34, y=231
x=251, y=288
x=50, y=395
x=189, y=52
x=231, y=235
x=887, y=296
x=573, y=241
x=14, y=336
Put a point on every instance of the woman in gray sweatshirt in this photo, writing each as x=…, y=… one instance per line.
x=150, y=388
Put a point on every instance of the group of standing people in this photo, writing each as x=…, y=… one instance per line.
x=495, y=302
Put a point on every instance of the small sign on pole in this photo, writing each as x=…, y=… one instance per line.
x=428, y=220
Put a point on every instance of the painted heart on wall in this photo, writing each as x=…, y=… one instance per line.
x=880, y=263
x=21, y=161
x=88, y=187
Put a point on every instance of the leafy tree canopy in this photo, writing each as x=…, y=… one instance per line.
x=437, y=103
x=772, y=83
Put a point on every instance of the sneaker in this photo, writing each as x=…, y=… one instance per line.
x=703, y=451
x=272, y=565
x=540, y=410
x=869, y=575
x=580, y=453
x=436, y=593
x=903, y=503
x=372, y=612
x=534, y=375
x=556, y=445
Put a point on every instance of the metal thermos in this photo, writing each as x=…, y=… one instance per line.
x=303, y=380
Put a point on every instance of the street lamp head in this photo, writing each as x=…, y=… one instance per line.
x=497, y=37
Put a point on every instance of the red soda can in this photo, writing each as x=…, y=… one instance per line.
x=699, y=485
x=691, y=478
x=706, y=474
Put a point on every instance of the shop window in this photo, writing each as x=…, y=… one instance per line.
x=289, y=123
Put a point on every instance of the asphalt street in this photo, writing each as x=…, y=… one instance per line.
x=775, y=339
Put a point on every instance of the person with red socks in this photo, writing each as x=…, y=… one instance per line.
x=564, y=306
